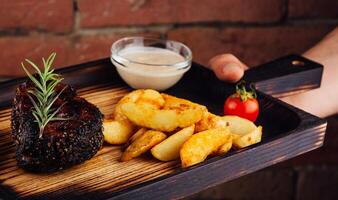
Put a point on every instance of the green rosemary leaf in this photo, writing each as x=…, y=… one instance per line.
x=37, y=119
x=32, y=78
x=36, y=107
x=56, y=111
x=52, y=84
x=59, y=119
x=52, y=71
x=50, y=60
x=38, y=96
x=50, y=76
x=44, y=93
x=35, y=67
x=54, y=99
x=44, y=61
x=47, y=63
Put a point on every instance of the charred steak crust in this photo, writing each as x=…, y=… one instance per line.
x=64, y=143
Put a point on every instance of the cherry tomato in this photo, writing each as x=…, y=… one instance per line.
x=243, y=104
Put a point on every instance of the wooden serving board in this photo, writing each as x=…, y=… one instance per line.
x=287, y=132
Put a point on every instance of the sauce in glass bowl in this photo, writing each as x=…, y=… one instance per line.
x=150, y=63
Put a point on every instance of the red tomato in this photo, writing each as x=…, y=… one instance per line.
x=243, y=104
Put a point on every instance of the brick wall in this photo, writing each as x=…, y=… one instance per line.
x=254, y=30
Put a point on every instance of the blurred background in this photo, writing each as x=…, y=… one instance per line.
x=254, y=30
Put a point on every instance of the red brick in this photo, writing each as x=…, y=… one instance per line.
x=92, y=47
x=125, y=12
x=51, y=15
x=252, y=45
x=70, y=49
x=323, y=9
x=16, y=49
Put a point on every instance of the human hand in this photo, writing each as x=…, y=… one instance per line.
x=227, y=67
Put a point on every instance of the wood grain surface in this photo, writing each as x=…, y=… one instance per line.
x=287, y=132
x=104, y=171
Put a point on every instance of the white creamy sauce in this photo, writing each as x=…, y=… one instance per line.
x=150, y=59
x=149, y=67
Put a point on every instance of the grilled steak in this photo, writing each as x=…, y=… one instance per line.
x=64, y=143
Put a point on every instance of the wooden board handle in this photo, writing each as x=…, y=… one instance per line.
x=286, y=75
x=281, y=77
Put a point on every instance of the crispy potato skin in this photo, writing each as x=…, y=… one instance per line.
x=244, y=132
x=200, y=145
x=172, y=102
x=210, y=121
x=155, y=115
x=136, y=135
x=251, y=138
x=169, y=149
x=225, y=148
x=142, y=144
x=176, y=113
x=120, y=128
x=117, y=132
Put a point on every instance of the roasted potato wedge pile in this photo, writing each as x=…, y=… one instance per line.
x=172, y=128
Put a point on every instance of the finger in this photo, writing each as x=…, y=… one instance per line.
x=228, y=68
x=230, y=72
x=226, y=58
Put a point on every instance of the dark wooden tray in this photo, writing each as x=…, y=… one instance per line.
x=287, y=132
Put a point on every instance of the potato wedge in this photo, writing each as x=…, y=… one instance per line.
x=169, y=149
x=200, y=145
x=147, y=97
x=151, y=98
x=244, y=132
x=161, y=119
x=138, y=134
x=210, y=121
x=248, y=139
x=142, y=144
x=117, y=132
x=239, y=125
x=225, y=147
x=176, y=103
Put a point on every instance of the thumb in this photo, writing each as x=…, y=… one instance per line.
x=227, y=68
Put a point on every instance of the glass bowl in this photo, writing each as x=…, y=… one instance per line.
x=150, y=63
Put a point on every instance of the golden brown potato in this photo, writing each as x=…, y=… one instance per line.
x=117, y=132
x=169, y=149
x=225, y=148
x=176, y=103
x=253, y=137
x=147, y=97
x=200, y=145
x=152, y=98
x=142, y=144
x=138, y=133
x=210, y=121
x=244, y=132
x=120, y=128
x=161, y=119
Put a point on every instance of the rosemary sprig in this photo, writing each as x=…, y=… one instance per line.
x=44, y=92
